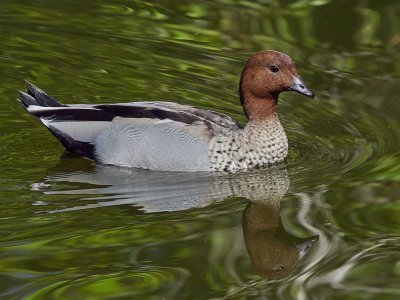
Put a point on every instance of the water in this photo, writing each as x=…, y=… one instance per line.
x=324, y=225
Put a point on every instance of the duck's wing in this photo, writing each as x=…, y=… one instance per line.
x=172, y=111
x=78, y=126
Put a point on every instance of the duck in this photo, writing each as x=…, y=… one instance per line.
x=168, y=136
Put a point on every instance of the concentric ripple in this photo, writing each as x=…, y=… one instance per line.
x=357, y=146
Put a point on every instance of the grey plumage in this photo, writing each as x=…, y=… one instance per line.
x=154, y=144
x=151, y=135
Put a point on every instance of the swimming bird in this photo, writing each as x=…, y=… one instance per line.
x=169, y=136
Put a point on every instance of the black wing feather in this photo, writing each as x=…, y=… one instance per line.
x=106, y=112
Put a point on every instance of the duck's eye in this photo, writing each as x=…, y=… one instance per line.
x=278, y=268
x=274, y=68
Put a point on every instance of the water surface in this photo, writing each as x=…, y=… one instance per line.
x=323, y=225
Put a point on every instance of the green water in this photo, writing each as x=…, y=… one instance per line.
x=324, y=225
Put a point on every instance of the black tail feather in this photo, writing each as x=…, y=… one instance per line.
x=35, y=96
x=26, y=100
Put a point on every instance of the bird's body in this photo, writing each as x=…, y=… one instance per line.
x=169, y=136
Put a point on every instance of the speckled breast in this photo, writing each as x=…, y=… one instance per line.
x=258, y=144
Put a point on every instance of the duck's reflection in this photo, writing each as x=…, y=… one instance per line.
x=274, y=252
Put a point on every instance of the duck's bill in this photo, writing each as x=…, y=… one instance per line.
x=306, y=244
x=299, y=87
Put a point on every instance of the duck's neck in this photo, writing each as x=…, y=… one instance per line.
x=258, y=109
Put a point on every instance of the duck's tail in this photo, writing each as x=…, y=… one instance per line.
x=60, y=119
x=37, y=97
